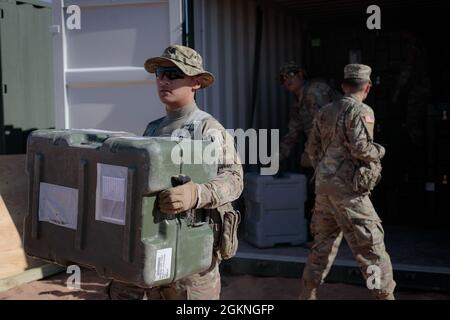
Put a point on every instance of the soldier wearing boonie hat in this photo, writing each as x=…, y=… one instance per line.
x=179, y=74
x=186, y=59
x=291, y=66
x=309, y=97
x=347, y=164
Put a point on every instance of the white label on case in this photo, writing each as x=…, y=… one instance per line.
x=163, y=264
x=113, y=189
x=58, y=205
x=111, y=192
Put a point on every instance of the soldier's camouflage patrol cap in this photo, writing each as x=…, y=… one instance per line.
x=185, y=58
x=357, y=71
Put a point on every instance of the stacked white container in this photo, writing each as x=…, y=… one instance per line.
x=275, y=209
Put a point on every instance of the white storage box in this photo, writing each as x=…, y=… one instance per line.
x=275, y=209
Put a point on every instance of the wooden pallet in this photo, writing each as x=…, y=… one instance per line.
x=30, y=275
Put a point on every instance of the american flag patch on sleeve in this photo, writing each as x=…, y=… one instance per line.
x=369, y=118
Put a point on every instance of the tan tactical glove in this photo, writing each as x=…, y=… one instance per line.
x=178, y=199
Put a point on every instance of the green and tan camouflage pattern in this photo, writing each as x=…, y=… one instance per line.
x=290, y=66
x=357, y=71
x=342, y=137
x=185, y=58
x=313, y=96
x=333, y=220
x=342, y=134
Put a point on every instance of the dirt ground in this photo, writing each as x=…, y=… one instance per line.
x=233, y=288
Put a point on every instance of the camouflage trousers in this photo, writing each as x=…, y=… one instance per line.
x=333, y=219
x=202, y=286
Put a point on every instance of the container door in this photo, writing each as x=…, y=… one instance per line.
x=99, y=53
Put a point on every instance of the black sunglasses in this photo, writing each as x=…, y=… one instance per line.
x=288, y=75
x=172, y=73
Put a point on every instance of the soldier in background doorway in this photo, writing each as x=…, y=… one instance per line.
x=309, y=97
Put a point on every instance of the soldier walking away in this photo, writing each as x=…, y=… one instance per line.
x=347, y=163
x=179, y=74
x=310, y=96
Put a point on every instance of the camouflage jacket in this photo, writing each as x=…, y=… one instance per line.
x=341, y=140
x=227, y=186
x=312, y=97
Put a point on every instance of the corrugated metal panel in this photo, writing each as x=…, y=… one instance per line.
x=36, y=46
x=225, y=36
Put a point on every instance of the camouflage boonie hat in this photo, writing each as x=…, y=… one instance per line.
x=185, y=58
x=290, y=66
x=357, y=71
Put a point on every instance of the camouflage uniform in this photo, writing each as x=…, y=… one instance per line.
x=309, y=100
x=342, y=136
x=312, y=96
x=226, y=187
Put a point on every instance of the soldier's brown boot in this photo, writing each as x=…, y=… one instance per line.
x=170, y=293
x=124, y=291
x=308, y=291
